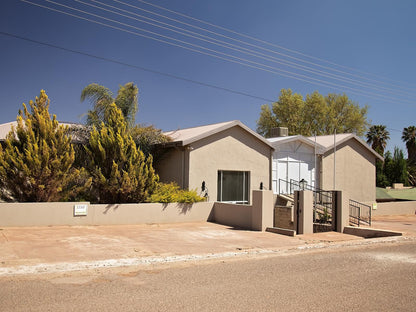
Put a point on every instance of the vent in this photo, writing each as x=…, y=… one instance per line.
x=279, y=132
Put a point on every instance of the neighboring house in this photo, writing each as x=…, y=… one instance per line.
x=7, y=127
x=312, y=160
x=228, y=158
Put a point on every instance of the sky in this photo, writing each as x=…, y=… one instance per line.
x=225, y=60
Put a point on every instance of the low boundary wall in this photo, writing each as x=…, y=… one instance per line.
x=233, y=215
x=62, y=213
x=395, y=208
x=258, y=216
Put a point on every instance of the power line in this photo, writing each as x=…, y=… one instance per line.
x=241, y=49
x=270, y=44
x=235, y=59
x=136, y=67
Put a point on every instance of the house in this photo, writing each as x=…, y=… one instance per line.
x=227, y=161
x=224, y=161
x=7, y=127
x=313, y=160
x=294, y=159
x=355, y=166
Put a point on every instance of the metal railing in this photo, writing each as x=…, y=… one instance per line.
x=323, y=205
x=359, y=213
x=289, y=187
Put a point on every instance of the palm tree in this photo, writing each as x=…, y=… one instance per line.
x=378, y=136
x=409, y=137
x=101, y=98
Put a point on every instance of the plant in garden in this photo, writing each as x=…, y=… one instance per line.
x=37, y=156
x=146, y=137
x=120, y=171
x=171, y=193
x=102, y=98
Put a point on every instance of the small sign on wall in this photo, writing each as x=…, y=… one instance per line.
x=374, y=206
x=80, y=210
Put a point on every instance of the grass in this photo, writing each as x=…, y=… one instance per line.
x=407, y=194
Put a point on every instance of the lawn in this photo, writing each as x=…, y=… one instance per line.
x=407, y=194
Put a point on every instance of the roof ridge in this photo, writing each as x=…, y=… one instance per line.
x=213, y=124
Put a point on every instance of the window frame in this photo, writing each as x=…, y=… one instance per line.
x=245, y=200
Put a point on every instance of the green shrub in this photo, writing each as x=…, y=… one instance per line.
x=171, y=193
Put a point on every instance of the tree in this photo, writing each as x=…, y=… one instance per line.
x=409, y=137
x=101, y=98
x=315, y=115
x=148, y=138
x=35, y=164
x=120, y=171
x=395, y=168
x=377, y=137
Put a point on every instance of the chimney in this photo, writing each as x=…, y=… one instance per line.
x=279, y=132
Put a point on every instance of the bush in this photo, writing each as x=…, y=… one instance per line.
x=171, y=193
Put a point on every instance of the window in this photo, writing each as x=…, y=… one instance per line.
x=233, y=186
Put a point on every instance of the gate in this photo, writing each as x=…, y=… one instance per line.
x=324, y=211
x=324, y=204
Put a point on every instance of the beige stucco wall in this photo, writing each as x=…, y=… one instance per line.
x=233, y=149
x=45, y=214
x=257, y=217
x=355, y=171
x=395, y=208
x=233, y=215
x=173, y=166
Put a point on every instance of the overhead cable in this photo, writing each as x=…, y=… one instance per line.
x=136, y=67
x=272, y=44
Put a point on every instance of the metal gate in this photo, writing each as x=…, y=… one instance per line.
x=324, y=211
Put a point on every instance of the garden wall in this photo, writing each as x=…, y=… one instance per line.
x=59, y=213
x=258, y=216
x=395, y=208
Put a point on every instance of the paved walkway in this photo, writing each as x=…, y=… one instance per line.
x=60, y=248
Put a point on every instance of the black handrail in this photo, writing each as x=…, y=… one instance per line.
x=322, y=208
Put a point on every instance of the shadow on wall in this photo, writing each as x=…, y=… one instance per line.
x=183, y=208
x=109, y=206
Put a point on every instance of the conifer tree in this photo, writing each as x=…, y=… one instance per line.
x=121, y=173
x=36, y=159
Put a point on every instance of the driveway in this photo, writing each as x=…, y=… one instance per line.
x=405, y=224
x=65, y=248
x=29, y=246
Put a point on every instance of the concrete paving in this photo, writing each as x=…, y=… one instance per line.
x=66, y=248
x=406, y=224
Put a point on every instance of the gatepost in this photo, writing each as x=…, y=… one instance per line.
x=342, y=208
x=303, y=212
x=262, y=210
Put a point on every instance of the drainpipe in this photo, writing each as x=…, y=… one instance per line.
x=335, y=150
x=183, y=168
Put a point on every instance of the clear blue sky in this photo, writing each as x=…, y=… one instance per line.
x=375, y=37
